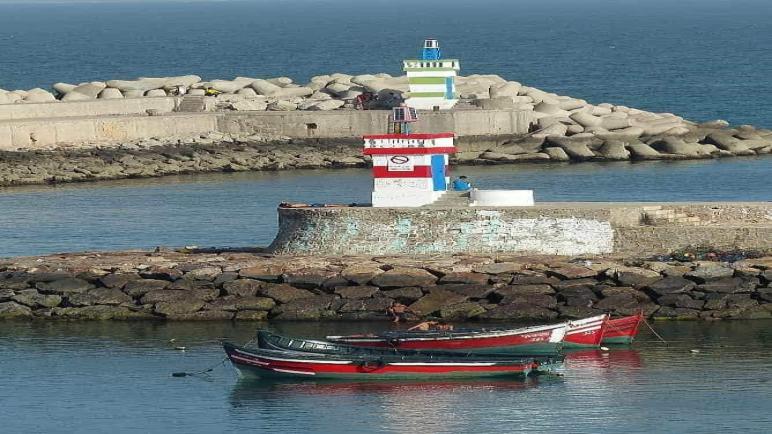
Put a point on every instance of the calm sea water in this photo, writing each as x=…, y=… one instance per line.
x=116, y=377
x=240, y=209
x=703, y=59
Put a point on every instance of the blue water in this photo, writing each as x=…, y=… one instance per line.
x=239, y=209
x=116, y=377
x=703, y=59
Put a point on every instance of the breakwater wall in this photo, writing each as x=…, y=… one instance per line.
x=243, y=286
x=114, y=122
x=556, y=229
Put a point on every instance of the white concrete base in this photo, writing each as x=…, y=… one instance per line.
x=404, y=199
x=501, y=197
x=430, y=103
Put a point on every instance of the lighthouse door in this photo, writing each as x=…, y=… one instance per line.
x=448, y=87
x=438, y=173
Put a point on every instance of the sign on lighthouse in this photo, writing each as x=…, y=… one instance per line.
x=409, y=169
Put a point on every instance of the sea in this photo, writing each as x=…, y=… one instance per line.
x=702, y=59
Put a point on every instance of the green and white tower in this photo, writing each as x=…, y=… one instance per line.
x=432, y=79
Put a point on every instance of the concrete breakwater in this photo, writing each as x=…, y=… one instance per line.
x=232, y=285
x=252, y=144
x=498, y=122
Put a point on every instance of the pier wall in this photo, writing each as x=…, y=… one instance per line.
x=61, y=124
x=554, y=229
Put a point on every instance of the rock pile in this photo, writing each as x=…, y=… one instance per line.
x=249, y=286
x=324, y=92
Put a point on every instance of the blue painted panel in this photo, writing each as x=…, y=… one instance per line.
x=448, y=87
x=438, y=173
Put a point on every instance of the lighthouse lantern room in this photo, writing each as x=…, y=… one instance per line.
x=409, y=169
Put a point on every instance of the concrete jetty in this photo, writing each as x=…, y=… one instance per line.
x=497, y=122
x=562, y=228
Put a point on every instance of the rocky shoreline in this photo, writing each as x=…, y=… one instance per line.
x=253, y=286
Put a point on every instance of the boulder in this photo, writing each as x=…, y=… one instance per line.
x=64, y=286
x=729, y=285
x=155, y=93
x=557, y=154
x=464, y=277
x=264, y=87
x=138, y=288
x=226, y=86
x=284, y=293
x=268, y=272
x=110, y=93
x=461, y=311
x=705, y=271
x=107, y=296
x=586, y=119
x=404, y=295
x=140, y=85
x=11, y=309
x=404, y=276
x=354, y=292
x=612, y=122
x=642, y=151
x=89, y=90
x=674, y=145
x=39, y=95
x=548, y=108
x=242, y=287
x=435, y=300
x=247, y=92
x=614, y=150
x=670, y=285
x=556, y=129
x=63, y=88
x=327, y=105
x=33, y=299
x=282, y=105
x=729, y=143
x=507, y=89
x=249, y=105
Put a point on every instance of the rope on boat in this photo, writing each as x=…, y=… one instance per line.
x=205, y=371
x=654, y=331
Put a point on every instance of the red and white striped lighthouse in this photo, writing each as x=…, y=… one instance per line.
x=409, y=169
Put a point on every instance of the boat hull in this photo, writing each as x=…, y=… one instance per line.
x=622, y=331
x=585, y=333
x=282, y=365
x=543, y=340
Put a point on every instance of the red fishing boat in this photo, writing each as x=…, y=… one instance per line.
x=622, y=330
x=586, y=332
x=264, y=363
x=546, y=339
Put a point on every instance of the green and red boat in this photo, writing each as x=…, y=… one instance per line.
x=278, y=364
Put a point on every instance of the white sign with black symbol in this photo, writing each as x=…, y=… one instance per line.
x=400, y=163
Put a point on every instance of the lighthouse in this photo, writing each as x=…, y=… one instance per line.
x=432, y=79
x=409, y=169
